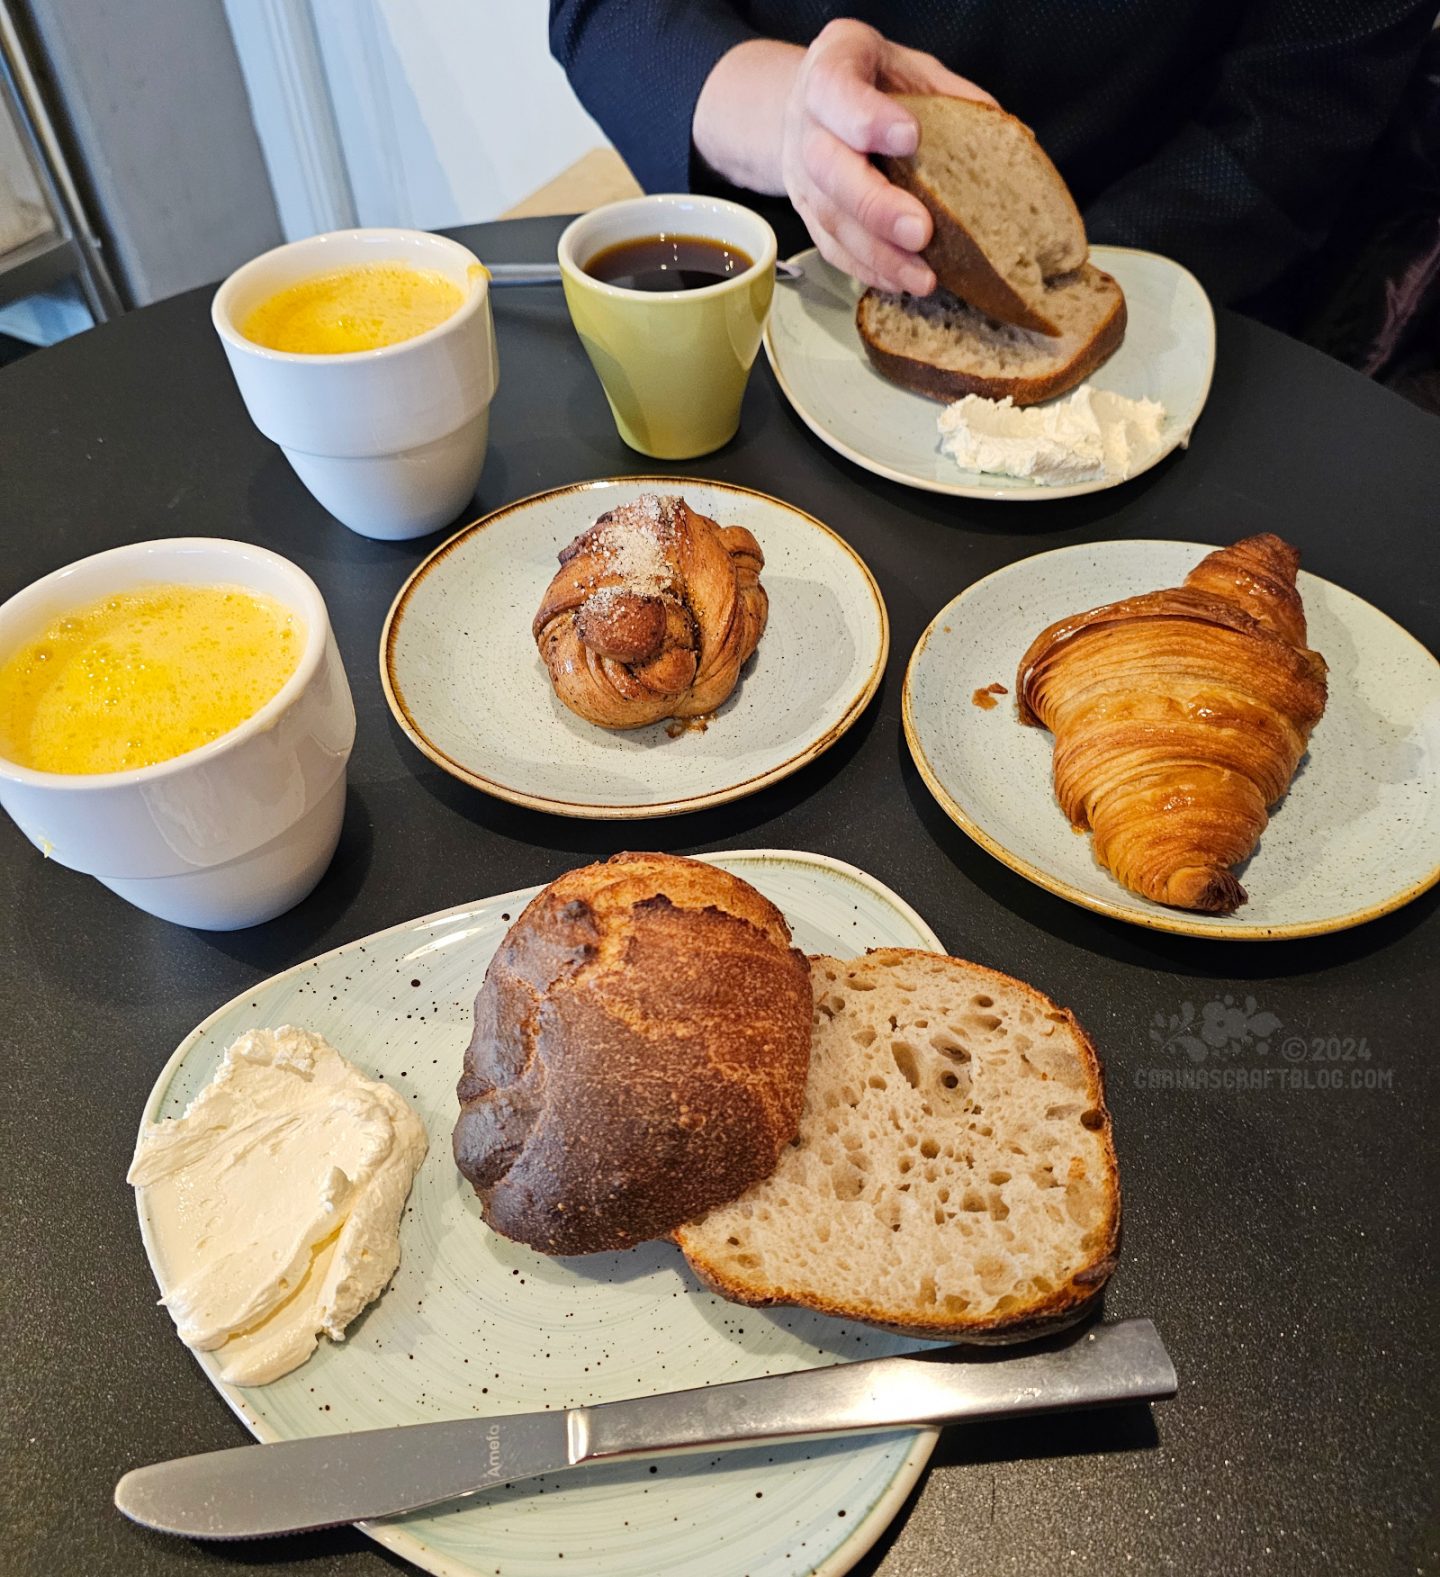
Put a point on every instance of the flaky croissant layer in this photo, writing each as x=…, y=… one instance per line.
x=651, y=615
x=1179, y=718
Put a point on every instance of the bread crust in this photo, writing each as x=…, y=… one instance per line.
x=956, y=257
x=958, y=262
x=641, y=1043
x=1079, y=1296
x=946, y=384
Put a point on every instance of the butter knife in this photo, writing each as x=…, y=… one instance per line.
x=299, y=1485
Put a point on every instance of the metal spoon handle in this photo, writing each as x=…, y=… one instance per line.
x=503, y=274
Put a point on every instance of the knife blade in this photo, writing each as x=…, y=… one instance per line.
x=296, y=1486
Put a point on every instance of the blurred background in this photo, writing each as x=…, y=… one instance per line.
x=149, y=146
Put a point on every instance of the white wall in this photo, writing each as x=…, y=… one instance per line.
x=440, y=112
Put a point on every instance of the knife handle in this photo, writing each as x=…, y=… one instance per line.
x=1123, y=1362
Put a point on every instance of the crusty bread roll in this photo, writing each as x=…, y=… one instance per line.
x=954, y=1173
x=640, y=1050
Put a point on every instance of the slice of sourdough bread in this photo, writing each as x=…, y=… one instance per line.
x=1005, y=222
x=941, y=347
x=954, y=1173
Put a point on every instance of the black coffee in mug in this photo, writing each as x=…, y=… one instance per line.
x=668, y=262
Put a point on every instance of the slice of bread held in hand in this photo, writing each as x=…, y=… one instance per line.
x=938, y=346
x=954, y=1173
x=1005, y=222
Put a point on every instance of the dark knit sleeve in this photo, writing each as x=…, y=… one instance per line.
x=638, y=67
x=1254, y=181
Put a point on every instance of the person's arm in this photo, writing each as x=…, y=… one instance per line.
x=638, y=66
x=1253, y=182
x=672, y=78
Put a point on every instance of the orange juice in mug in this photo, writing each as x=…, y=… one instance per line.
x=353, y=309
x=369, y=357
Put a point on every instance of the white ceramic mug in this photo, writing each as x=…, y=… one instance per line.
x=236, y=831
x=391, y=441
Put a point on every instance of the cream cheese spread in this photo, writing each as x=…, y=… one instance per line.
x=276, y=1201
x=1091, y=435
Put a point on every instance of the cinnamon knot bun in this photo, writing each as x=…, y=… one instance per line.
x=651, y=615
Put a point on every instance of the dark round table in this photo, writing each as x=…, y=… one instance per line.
x=1280, y=1239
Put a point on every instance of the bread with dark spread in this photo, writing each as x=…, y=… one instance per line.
x=1005, y=222
x=940, y=347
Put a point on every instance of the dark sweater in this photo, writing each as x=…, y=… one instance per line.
x=1224, y=135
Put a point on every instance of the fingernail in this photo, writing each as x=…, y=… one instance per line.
x=910, y=232
x=902, y=138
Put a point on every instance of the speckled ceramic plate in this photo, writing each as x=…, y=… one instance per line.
x=1357, y=835
x=464, y=680
x=1168, y=354
x=475, y=1324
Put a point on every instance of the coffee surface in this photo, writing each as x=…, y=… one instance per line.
x=668, y=262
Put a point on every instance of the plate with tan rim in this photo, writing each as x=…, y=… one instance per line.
x=1168, y=354
x=474, y=1324
x=464, y=679
x=1357, y=835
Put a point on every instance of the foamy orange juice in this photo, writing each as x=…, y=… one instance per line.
x=144, y=675
x=353, y=309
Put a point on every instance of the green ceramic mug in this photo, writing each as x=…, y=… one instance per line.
x=673, y=364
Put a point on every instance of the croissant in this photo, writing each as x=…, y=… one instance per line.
x=1179, y=718
x=652, y=613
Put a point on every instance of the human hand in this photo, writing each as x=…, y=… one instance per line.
x=837, y=113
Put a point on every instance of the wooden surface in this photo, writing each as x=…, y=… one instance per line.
x=600, y=176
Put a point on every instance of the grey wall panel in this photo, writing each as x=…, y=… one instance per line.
x=151, y=93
